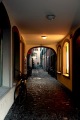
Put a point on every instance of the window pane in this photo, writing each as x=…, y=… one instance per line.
x=66, y=58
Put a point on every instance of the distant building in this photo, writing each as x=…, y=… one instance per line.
x=36, y=57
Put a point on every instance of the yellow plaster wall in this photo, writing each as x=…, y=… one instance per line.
x=67, y=82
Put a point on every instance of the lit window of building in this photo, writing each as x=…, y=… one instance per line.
x=66, y=59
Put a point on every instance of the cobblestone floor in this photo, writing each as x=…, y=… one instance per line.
x=46, y=100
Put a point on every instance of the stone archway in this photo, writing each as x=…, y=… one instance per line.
x=50, y=60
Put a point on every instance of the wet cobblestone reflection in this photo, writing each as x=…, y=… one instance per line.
x=46, y=100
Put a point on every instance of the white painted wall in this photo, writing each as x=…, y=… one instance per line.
x=6, y=103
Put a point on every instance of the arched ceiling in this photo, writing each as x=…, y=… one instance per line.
x=30, y=17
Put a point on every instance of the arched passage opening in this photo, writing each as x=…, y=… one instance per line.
x=42, y=57
x=5, y=47
x=16, y=50
x=76, y=63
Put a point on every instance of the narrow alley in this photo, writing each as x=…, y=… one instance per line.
x=47, y=99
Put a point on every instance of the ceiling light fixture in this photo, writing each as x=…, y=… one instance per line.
x=44, y=37
x=50, y=17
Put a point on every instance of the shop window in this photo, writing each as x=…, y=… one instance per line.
x=66, y=59
x=59, y=59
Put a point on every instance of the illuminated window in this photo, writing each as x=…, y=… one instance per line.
x=66, y=59
x=59, y=59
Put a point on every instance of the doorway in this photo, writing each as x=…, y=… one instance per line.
x=43, y=58
x=76, y=63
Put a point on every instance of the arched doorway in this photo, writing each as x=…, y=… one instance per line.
x=16, y=50
x=76, y=63
x=47, y=59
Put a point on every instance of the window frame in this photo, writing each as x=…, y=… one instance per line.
x=67, y=73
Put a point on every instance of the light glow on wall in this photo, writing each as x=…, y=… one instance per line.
x=66, y=52
x=67, y=58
